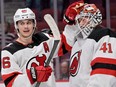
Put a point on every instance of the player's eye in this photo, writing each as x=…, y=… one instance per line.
x=30, y=22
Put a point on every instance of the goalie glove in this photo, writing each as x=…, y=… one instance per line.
x=71, y=12
x=39, y=74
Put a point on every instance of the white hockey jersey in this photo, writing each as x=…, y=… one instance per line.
x=17, y=60
x=93, y=60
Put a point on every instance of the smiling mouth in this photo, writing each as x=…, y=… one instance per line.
x=26, y=31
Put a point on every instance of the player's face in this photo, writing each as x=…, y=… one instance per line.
x=25, y=27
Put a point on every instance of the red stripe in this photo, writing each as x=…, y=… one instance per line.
x=103, y=60
x=4, y=77
x=63, y=41
x=104, y=71
x=68, y=47
x=11, y=82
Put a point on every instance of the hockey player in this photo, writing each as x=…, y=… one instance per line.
x=93, y=56
x=19, y=61
x=23, y=61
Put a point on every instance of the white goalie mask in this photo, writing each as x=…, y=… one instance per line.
x=22, y=14
x=89, y=17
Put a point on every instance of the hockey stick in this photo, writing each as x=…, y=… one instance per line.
x=53, y=26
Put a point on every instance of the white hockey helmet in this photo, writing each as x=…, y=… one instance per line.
x=22, y=14
x=94, y=17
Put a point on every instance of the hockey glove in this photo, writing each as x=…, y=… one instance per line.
x=40, y=73
x=71, y=12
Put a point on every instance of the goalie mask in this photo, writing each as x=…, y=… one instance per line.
x=88, y=18
x=22, y=14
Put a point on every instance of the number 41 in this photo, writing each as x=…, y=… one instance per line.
x=106, y=48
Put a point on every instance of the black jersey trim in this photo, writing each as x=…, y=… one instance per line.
x=39, y=37
x=16, y=46
x=8, y=80
x=100, y=32
x=104, y=66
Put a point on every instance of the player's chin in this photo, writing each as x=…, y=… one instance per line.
x=27, y=35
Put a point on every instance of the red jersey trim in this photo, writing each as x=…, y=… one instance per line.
x=103, y=60
x=67, y=47
x=101, y=65
x=66, y=44
x=104, y=71
x=9, y=78
x=11, y=82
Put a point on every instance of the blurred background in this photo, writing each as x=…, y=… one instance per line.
x=56, y=8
